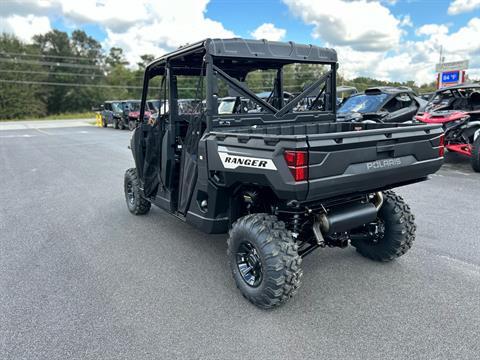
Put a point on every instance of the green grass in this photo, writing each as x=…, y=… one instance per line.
x=67, y=116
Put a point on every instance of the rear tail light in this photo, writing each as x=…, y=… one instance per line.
x=441, y=146
x=297, y=162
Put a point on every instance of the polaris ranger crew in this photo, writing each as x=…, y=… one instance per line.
x=280, y=181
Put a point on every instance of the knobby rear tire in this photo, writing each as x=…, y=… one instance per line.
x=279, y=258
x=399, y=232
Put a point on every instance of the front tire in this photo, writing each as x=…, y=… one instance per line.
x=264, y=260
x=475, y=159
x=131, y=125
x=136, y=204
x=396, y=231
x=115, y=123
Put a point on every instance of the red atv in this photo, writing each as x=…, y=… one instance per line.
x=457, y=108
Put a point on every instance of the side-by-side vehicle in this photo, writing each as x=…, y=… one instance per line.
x=457, y=109
x=282, y=181
x=381, y=104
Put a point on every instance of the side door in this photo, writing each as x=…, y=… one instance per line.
x=154, y=143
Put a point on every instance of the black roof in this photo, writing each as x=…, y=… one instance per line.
x=388, y=89
x=255, y=49
x=457, y=87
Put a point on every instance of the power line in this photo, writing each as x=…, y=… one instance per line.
x=51, y=73
x=288, y=75
x=60, y=73
x=49, y=63
x=25, y=82
x=81, y=58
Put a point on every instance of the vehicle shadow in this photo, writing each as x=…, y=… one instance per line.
x=455, y=161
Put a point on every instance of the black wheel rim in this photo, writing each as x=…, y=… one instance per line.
x=249, y=264
x=130, y=194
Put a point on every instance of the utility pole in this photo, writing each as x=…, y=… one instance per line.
x=441, y=60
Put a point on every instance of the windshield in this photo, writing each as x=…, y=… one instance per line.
x=154, y=105
x=363, y=103
x=133, y=106
x=117, y=107
x=188, y=106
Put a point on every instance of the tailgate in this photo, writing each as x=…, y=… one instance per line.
x=370, y=160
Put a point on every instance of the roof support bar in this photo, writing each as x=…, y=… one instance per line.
x=242, y=89
x=302, y=95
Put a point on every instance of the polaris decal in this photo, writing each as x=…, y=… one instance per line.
x=233, y=161
x=380, y=164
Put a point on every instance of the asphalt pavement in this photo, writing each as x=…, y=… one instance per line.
x=82, y=278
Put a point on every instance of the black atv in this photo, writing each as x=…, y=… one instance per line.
x=112, y=112
x=280, y=181
x=381, y=104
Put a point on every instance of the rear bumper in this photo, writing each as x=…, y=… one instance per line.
x=376, y=180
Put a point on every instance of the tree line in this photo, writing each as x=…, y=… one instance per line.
x=65, y=73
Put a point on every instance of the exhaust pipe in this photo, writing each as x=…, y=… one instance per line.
x=347, y=218
x=378, y=200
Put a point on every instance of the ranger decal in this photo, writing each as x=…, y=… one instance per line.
x=233, y=161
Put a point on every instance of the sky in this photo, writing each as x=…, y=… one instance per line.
x=395, y=40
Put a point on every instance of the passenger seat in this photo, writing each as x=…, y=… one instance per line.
x=475, y=101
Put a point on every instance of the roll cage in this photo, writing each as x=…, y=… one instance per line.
x=230, y=61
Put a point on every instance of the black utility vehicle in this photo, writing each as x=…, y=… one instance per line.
x=112, y=112
x=281, y=182
x=381, y=104
x=131, y=114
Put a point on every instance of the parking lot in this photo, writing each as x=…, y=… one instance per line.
x=80, y=277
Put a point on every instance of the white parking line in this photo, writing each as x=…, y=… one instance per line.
x=43, y=132
x=17, y=136
x=43, y=124
x=12, y=126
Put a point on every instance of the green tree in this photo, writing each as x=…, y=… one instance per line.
x=145, y=60
x=116, y=57
x=19, y=98
x=75, y=60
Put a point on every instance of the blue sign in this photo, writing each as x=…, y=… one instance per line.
x=451, y=76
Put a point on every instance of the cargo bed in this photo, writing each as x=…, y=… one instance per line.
x=343, y=158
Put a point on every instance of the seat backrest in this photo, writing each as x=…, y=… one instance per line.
x=475, y=100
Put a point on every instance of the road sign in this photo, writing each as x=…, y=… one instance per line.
x=450, y=77
x=450, y=66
